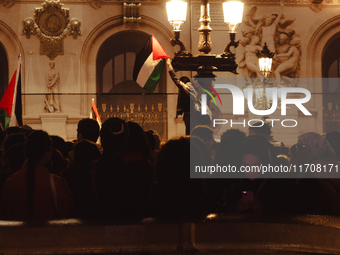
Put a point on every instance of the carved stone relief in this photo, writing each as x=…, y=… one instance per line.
x=7, y=3
x=131, y=13
x=273, y=30
x=96, y=4
x=315, y=5
x=52, y=25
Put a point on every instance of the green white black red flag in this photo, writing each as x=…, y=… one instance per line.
x=149, y=64
x=11, y=104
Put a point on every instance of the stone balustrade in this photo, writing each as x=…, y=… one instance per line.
x=213, y=234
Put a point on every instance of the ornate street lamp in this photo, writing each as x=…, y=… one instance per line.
x=232, y=12
x=177, y=13
x=204, y=63
x=263, y=89
x=265, y=61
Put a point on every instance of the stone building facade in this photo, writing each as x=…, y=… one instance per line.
x=92, y=46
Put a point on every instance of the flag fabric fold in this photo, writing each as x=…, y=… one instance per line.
x=94, y=114
x=11, y=104
x=149, y=64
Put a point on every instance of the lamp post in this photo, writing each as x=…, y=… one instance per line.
x=204, y=63
x=232, y=13
x=177, y=12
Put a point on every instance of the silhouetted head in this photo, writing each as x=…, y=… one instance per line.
x=174, y=161
x=38, y=146
x=255, y=151
x=258, y=146
x=13, y=139
x=38, y=149
x=260, y=128
x=12, y=130
x=205, y=133
x=312, y=146
x=114, y=135
x=15, y=157
x=151, y=140
x=84, y=152
x=58, y=163
x=137, y=140
x=88, y=129
x=60, y=144
x=157, y=138
x=234, y=132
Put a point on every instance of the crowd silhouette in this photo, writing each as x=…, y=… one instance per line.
x=131, y=174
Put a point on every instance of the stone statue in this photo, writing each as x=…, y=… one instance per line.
x=282, y=44
x=267, y=27
x=250, y=60
x=52, y=83
x=293, y=54
x=273, y=30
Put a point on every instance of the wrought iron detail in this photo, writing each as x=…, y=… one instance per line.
x=142, y=114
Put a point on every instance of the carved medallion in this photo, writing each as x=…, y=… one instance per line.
x=52, y=25
x=52, y=22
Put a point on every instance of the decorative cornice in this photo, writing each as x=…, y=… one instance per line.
x=7, y=3
x=315, y=5
x=94, y=3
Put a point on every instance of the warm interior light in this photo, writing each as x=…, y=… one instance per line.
x=233, y=12
x=177, y=12
x=265, y=65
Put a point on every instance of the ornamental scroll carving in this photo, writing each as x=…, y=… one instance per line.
x=7, y=3
x=51, y=24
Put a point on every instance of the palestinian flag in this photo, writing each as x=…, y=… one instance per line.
x=94, y=113
x=11, y=104
x=149, y=64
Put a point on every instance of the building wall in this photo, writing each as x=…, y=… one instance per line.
x=316, y=24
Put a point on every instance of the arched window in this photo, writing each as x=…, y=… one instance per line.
x=331, y=85
x=118, y=94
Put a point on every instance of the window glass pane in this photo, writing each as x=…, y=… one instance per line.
x=119, y=69
x=333, y=73
x=130, y=62
x=107, y=77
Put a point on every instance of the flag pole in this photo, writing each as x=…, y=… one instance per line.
x=94, y=108
x=13, y=121
x=91, y=117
